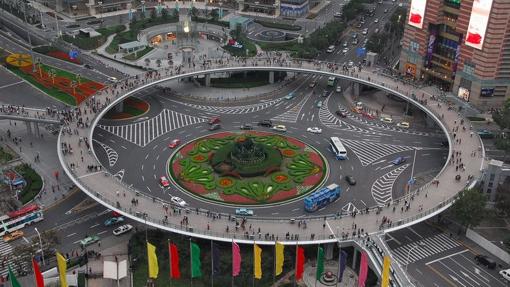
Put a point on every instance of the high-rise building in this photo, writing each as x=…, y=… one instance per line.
x=463, y=46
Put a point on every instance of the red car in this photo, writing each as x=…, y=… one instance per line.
x=213, y=120
x=164, y=181
x=174, y=143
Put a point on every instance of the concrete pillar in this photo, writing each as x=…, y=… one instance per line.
x=429, y=121
x=208, y=80
x=36, y=130
x=355, y=89
x=355, y=258
x=328, y=252
x=29, y=127
x=119, y=107
x=187, y=56
x=271, y=77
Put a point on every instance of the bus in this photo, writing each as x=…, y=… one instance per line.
x=338, y=148
x=322, y=197
x=331, y=81
x=18, y=219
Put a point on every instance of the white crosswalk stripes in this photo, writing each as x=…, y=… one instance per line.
x=382, y=189
x=113, y=156
x=368, y=152
x=235, y=110
x=425, y=248
x=6, y=252
x=291, y=116
x=143, y=133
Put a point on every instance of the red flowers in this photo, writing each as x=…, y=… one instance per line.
x=63, y=56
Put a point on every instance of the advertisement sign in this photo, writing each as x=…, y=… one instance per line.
x=456, y=60
x=235, y=44
x=417, y=13
x=487, y=92
x=463, y=94
x=478, y=23
x=411, y=70
x=431, y=44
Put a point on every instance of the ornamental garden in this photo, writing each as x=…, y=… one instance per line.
x=248, y=168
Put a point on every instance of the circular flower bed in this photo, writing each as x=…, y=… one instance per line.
x=210, y=167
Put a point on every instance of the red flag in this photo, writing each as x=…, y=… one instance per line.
x=363, y=270
x=175, y=272
x=39, y=280
x=300, y=263
x=236, y=259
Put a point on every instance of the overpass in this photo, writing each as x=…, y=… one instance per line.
x=31, y=116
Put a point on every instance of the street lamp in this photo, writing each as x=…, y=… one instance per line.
x=409, y=253
x=40, y=244
x=100, y=3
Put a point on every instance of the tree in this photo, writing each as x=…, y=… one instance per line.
x=502, y=117
x=469, y=208
x=194, y=12
x=503, y=198
x=154, y=13
x=164, y=13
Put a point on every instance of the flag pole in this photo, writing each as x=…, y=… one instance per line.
x=212, y=265
x=191, y=262
x=295, y=264
x=317, y=259
x=274, y=264
x=232, y=273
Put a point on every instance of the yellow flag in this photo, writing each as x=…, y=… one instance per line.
x=62, y=268
x=152, y=259
x=257, y=261
x=385, y=281
x=279, y=258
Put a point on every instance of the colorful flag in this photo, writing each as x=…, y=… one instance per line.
x=342, y=264
x=236, y=259
x=13, y=279
x=363, y=270
x=320, y=263
x=152, y=260
x=175, y=271
x=62, y=268
x=278, y=250
x=257, y=261
x=300, y=263
x=216, y=259
x=196, y=264
x=385, y=280
x=39, y=280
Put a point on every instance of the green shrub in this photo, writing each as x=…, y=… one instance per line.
x=34, y=183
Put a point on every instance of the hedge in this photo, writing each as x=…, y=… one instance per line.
x=34, y=183
x=276, y=25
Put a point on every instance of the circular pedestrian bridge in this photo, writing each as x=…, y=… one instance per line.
x=427, y=201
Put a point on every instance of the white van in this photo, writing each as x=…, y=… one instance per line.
x=330, y=49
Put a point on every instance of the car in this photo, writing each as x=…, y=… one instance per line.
x=88, y=66
x=505, y=273
x=330, y=49
x=341, y=114
x=113, y=220
x=338, y=89
x=350, y=180
x=89, y=240
x=404, y=125
x=122, y=229
x=365, y=31
x=265, y=123
x=376, y=20
x=345, y=50
x=325, y=93
x=13, y=235
x=244, y=211
x=290, y=96
x=213, y=120
x=350, y=64
x=485, y=134
x=386, y=120
x=112, y=79
x=346, y=44
x=486, y=261
x=246, y=127
x=215, y=127
x=337, y=15
x=354, y=35
x=174, y=143
x=399, y=160
x=355, y=42
x=280, y=128
x=313, y=84
x=178, y=201
x=386, y=10
x=314, y=130
x=164, y=181
x=319, y=104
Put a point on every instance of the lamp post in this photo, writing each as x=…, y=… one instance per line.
x=409, y=253
x=40, y=244
x=100, y=3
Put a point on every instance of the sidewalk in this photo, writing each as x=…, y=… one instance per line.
x=349, y=279
x=95, y=266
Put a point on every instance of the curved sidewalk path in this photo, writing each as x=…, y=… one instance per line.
x=424, y=202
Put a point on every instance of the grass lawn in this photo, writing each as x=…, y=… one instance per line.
x=34, y=183
x=139, y=54
x=87, y=43
x=5, y=156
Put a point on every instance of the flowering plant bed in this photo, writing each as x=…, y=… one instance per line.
x=56, y=53
x=250, y=168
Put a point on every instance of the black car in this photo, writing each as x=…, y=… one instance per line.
x=341, y=114
x=215, y=127
x=88, y=66
x=350, y=180
x=246, y=127
x=265, y=123
x=485, y=260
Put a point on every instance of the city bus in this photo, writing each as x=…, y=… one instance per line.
x=18, y=219
x=338, y=148
x=322, y=197
x=331, y=81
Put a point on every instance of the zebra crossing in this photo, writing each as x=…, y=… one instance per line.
x=291, y=115
x=382, y=188
x=143, y=133
x=6, y=252
x=424, y=248
x=113, y=156
x=235, y=110
x=369, y=152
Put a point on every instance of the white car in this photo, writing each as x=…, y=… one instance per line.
x=376, y=20
x=280, y=128
x=330, y=49
x=387, y=120
x=365, y=31
x=314, y=130
x=404, y=125
x=351, y=64
x=122, y=229
x=178, y=201
x=506, y=274
x=338, y=89
x=337, y=15
x=345, y=50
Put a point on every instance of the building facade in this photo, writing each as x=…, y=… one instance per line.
x=463, y=46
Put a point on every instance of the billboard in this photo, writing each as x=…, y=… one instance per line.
x=487, y=92
x=417, y=13
x=463, y=94
x=478, y=23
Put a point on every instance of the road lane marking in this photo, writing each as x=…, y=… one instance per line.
x=447, y=256
x=412, y=230
x=394, y=239
x=72, y=234
x=89, y=174
x=94, y=225
x=12, y=84
x=99, y=233
x=442, y=276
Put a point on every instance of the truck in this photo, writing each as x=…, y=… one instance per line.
x=322, y=197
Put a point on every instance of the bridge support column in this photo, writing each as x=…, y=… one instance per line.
x=36, y=130
x=355, y=88
x=355, y=258
x=208, y=80
x=119, y=107
x=328, y=250
x=271, y=77
x=29, y=127
x=429, y=121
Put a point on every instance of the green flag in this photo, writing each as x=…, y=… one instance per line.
x=320, y=263
x=12, y=278
x=196, y=265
